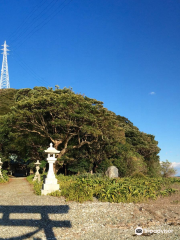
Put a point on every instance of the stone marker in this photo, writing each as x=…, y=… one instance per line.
x=112, y=172
x=50, y=184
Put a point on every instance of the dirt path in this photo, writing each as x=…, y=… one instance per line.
x=17, y=186
x=23, y=215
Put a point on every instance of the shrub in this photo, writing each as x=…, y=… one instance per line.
x=77, y=192
x=136, y=188
x=5, y=177
x=37, y=186
x=30, y=178
x=55, y=193
x=139, y=175
x=167, y=170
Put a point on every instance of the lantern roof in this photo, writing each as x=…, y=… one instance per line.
x=51, y=149
x=37, y=163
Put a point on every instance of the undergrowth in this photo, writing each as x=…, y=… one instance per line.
x=84, y=187
x=37, y=186
x=5, y=177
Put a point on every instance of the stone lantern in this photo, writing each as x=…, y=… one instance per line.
x=37, y=175
x=0, y=168
x=50, y=184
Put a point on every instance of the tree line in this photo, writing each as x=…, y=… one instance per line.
x=89, y=136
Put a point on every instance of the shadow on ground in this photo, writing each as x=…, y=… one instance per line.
x=44, y=223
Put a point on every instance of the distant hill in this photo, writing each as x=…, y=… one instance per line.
x=7, y=99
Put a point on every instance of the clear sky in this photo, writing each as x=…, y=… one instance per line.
x=125, y=53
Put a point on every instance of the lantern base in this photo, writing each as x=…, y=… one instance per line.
x=49, y=186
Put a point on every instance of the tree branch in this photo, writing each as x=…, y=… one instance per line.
x=85, y=142
x=25, y=129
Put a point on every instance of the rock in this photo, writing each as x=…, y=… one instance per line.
x=112, y=172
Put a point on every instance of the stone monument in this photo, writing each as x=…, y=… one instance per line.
x=1, y=176
x=112, y=172
x=37, y=175
x=50, y=184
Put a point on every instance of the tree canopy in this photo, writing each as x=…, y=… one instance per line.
x=167, y=170
x=88, y=135
x=7, y=100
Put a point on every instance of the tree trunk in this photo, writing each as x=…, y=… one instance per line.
x=94, y=167
x=65, y=170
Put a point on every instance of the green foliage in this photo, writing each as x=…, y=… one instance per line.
x=138, y=175
x=173, y=180
x=71, y=121
x=168, y=191
x=89, y=136
x=5, y=177
x=77, y=192
x=166, y=169
x=135, y=189
x=92, y=176
x=37, y=186
x=2, y=180
x=143, y=144
x=30, y=178
x=62, y=178
x=7, y=100
x=84, y=187
x=55, y=193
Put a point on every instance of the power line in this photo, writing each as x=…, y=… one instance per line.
x=26, y=19
x=35, y=19
x=37, y=28
x=47, y=20
x=29, y=69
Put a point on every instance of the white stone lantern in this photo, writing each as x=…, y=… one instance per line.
x=50, y=184
x=0, y=168
x=37, y=175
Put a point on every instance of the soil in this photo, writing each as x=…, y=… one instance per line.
x=165, y=209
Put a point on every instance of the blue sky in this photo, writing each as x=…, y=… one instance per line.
x=125, y=53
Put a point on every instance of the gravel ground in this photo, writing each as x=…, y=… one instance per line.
x=23, y=215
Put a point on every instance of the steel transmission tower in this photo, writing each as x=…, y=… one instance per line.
x=4, y=81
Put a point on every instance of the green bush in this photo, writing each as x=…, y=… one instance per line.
x=168, y=191
x=84, y=187
x=63, y=178
x=138, y=175
x=37, y=186
x=55, y=193
x=77, y=192
x=30, y=178
x=5, y=177
x=91, y=176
